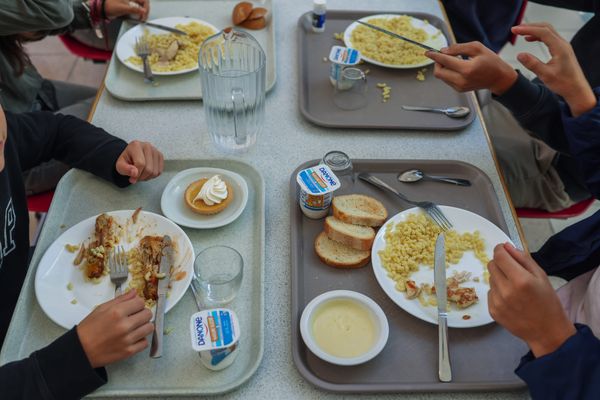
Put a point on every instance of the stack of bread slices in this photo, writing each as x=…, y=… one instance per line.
x=348, y=236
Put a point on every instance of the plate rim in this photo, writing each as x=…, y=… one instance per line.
x=208, y=225
x=376, y=264
x=160, y=21
x=350, y=28
x=38, y=270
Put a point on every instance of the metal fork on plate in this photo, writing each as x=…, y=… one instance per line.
x=117, y=263
x=142, y=49
x=430, y=208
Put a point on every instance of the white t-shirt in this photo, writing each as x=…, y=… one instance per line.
x=580, y=298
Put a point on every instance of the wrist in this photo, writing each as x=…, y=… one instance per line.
x=551, y=340
x=581, y=101
x=504, y=82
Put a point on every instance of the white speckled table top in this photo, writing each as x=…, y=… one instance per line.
x=287, y=140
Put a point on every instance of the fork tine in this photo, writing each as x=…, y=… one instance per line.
x=435, y=218
x=446, y=225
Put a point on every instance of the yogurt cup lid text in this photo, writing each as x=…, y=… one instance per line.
x=318, y=180
x=344, y=55
x=214, y=329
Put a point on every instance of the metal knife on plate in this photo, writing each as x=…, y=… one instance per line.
x=164, y=270
x=439, y=271
x=157, y=26
x=397, y=36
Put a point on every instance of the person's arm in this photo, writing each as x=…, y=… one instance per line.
x=59, y=371
x=570, y=372
x=41, y=136
x=34, y=15
x=72, y=366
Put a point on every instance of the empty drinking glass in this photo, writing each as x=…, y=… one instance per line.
x=350, y=92
x=218, y=273
x=232, y=68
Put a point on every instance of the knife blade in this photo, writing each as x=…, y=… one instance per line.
x=393, y=34
x=439, y=273
x=166, y=261
x=157, y=26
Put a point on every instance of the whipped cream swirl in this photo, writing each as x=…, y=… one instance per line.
x=214, y=191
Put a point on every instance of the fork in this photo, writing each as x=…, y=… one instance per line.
x=430, y=208
x=117, y=263
x=142, y=49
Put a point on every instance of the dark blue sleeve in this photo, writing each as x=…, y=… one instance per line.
x=576, y=249
x=583, y=137
x=571, y=372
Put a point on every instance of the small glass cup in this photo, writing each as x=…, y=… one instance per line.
x=218, y=272
x=350, y=92
x=340, y=163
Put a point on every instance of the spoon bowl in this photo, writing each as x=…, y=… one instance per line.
x=415, y=175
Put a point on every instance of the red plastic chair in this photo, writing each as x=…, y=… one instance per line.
x=40, y=202
x=573, y=211
x=82, y=50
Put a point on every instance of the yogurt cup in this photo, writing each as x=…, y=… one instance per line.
x=215, y=336
x=341, y=57
x=317, y=185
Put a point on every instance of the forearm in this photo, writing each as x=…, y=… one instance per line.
x=58, y=371
x=42, y=136
x=536, y=109
x=34, y=15
x=572, y=371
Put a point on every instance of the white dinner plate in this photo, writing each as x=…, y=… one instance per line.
x=463, y=221
x=436, y=42
x=126, y=45
x=67, y=307
x=174, y=207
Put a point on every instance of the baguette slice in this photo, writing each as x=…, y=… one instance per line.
x=339, y=255
x=356, y=236
x=359, y=209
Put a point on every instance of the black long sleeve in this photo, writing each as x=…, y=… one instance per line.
x=41, y=136
x=59, y=371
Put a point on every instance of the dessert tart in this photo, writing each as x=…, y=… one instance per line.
x=213, y=199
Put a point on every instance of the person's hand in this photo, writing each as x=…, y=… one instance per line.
x=115, y=330
x=562, y=74
x=522, y=300
x=118, y=8
x=140, y=161
x=484, y=69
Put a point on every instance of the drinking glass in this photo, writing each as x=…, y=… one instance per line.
x=341, y=165
x=350, y=92
x=218, y=273
x=232, y=67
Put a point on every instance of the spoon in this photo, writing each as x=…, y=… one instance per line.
x=452, y=112
x=414, y=175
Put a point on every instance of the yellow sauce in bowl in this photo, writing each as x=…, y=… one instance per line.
x=344, y=328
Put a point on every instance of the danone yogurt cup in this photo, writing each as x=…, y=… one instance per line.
x=215, y=336
x=317, y=185
x=341, y=57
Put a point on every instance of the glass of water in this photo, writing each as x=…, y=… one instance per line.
x=218, y=272
x=232, y=68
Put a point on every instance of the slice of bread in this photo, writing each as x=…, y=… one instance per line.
x=359, y=209
x=356, y=236
x=339, y=255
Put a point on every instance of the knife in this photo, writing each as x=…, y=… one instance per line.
x=166, y=261
x=157, y=26
x=439, y=272
x=424, y=46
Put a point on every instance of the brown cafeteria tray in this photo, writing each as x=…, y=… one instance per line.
x=316, y=92
x=483, y=358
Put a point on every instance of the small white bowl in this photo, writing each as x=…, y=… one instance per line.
x=376, y=312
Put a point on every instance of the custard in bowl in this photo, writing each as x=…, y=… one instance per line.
x=344, y=327
x=208, y=196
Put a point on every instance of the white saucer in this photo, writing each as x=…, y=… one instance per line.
x=174, y=207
